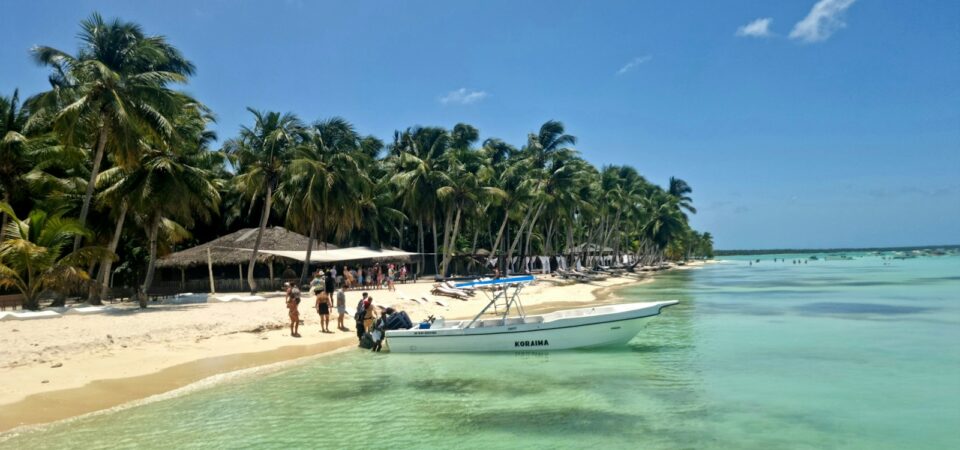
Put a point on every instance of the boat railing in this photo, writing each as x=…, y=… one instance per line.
x=508, y=295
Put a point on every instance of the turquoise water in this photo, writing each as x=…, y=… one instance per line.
x=830, y=354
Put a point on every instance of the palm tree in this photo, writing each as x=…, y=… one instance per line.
x=665, y=220
x=34, y=256
x=14, y=161
x=470, y=178
x=548, y=141
x=680, y=190
x=378, y=215
x=191, y=148
x=544, y=148
x=113, y=92
x=261, y=155
x=188, y=192
x=419, y=174
x=325, y=180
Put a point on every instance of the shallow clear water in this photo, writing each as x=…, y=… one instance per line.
x=829, y=354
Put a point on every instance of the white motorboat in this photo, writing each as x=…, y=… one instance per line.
x=596, y=326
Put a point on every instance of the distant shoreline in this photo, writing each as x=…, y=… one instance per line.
x=831, y=250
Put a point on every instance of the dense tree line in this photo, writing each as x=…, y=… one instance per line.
x=114, y=165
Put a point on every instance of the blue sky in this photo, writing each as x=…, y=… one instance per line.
x=798, y=123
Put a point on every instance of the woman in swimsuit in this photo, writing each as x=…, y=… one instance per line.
x=323, y=308
x=292, y=303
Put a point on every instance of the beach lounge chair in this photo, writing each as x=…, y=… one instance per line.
x=439, y=289
x=471, y=291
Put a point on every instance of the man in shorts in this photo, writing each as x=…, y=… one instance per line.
x=323, y=308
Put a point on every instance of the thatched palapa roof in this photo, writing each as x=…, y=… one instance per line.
x=235, y=248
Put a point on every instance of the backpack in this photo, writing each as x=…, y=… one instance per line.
x=295, y=293
x=361, y=312
x=367, y=341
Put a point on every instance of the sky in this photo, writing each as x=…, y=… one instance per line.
x=799, y=124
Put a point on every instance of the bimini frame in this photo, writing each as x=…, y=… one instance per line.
x=509, y=292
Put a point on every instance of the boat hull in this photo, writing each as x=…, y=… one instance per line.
x=564, y=330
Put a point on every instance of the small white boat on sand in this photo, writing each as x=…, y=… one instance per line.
x=596, y=326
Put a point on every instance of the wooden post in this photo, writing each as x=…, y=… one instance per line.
x=213, y=289
x=183, y=278
x=270, y=265
x=240, y=266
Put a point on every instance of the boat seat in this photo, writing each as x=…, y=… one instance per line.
x=537, y=319
x=515, y=321
x=491, y=323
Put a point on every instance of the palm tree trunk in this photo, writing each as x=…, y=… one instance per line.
x=306, y=264
x=6, y=199
x=436, y=263
x=152, y=264
x=476, y=235
x=448, y=252
x=447, y=228
x=516, y=240
x=548, y=244
x=496, y=243
x=420, y=245
x=267, y=204
x=103, y=276
x=533, y=222
x=88, y=196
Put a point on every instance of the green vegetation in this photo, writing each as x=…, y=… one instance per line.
x=115, y=144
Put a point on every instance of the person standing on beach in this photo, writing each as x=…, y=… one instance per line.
x=390, y=274
x=359, y=316
x=293, y=302
x=316, y=285
x=323, y=308
x=369, y=314
x=360, y=277
x=347, y=278
x=341, y=309
x=328, y=283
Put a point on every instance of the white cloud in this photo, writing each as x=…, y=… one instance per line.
x=463, y=96
x=757, y=28
x=825, y=18
x=633, y=64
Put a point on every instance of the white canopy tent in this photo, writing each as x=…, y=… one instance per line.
x=339, y=255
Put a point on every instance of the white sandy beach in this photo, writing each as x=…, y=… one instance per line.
x=58, y=368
